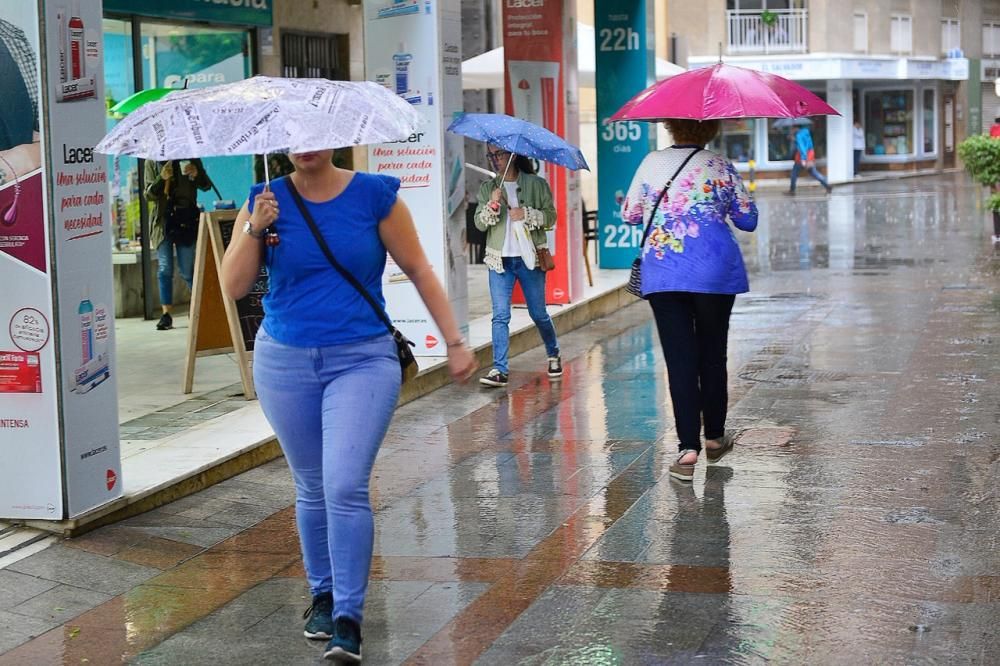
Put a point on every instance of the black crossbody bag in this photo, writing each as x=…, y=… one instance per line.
x=404, y=348
x=634, y=285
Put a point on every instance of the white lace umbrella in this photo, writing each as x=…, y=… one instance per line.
x=262, y=115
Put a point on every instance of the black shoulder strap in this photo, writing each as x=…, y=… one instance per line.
x=663, y=192
x=333, y=261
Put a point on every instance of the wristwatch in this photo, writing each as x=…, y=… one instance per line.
x=248, y=230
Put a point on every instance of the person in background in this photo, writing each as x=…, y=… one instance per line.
x=325, y=365
x=805, y=158
x=692, y=270
x=859, y=146
x=995, y=128
x=165, y=185
x=522, y=196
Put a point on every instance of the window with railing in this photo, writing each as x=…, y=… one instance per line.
x=861, y=32
x=991, y=40
x=901, y=34
x=767, y=26
x=951, y=34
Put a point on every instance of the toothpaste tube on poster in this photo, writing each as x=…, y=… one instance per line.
x=76, y=89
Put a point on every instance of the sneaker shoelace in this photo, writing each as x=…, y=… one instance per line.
x=319, y=604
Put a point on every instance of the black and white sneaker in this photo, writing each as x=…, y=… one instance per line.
x=555, y=366
x=166, y=322
x=494, y=378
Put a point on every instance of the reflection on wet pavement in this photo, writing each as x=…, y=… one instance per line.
x=856, y=521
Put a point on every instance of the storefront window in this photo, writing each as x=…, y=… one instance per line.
x=736, y=140
x=930, y=121
x=201, y=57
x=781, y=135
x=172, y=54
x=889, y=122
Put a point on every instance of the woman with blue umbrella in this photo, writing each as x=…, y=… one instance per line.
x=516, y=209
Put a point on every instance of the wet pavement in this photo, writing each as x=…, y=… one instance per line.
x=856, y=521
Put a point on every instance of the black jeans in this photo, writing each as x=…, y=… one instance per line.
x=693, y=332
x=857, y=161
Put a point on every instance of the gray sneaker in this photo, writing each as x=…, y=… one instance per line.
x=555, y=367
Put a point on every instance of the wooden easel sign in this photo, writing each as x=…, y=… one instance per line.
x=220, y=325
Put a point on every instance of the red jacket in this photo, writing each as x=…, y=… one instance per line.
x=995, y=131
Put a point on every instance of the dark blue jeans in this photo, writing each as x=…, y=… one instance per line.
x=798, y=167
x=501, y=291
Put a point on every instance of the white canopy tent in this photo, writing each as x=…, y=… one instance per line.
x=485, y=71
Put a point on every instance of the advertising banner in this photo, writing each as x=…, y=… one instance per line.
x=624, y=52
x=31, y=474
x=540, y=61
x=81, y=237
x=414, y=49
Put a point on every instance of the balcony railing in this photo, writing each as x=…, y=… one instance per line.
x=748, y=33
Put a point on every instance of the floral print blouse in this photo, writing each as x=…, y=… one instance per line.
x=690, y=246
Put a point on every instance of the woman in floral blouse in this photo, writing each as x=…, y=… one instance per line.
x=692, y=270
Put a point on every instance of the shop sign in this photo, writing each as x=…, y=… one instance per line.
x=414, y=49
x=864, y=68
x=236, y=12
x=541, y=87
x=624, y=65
x=952, y=69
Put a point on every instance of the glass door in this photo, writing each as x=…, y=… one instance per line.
x=197, y=56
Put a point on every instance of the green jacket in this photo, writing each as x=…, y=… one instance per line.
x=183, y=191
x=535, y=197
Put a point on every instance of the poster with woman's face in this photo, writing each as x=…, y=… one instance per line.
x=18, y=75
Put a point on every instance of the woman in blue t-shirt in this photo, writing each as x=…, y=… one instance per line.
x=325, y=366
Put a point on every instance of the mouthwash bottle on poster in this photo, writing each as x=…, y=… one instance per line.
x=86, y=312
x=76, y=34
x=402, y=60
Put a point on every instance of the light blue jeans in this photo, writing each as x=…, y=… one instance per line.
x=330, y=408
x=501, y=291
x=165, y=268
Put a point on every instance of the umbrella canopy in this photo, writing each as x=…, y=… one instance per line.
x=485, y=71
x=133, y=102
x=791, y=122
x=520, y=138
x=262, y=115
x=723, y=91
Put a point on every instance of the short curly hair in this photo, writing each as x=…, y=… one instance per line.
x=694, y=132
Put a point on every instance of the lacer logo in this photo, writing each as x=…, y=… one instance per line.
x=518, y=4
x=558, y=293
x=112, y=479
x=431, y=342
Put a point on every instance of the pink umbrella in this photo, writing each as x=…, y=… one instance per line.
x=723, y=91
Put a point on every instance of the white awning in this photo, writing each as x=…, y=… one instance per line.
x=485, y=71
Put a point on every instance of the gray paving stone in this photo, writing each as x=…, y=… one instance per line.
x=61, y=603
x=16, y=588
x=84, y=570
x=197, y=536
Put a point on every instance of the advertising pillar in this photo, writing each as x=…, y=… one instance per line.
x=839, y=131
x=414, y=48
x=58, y=399
x=540, y=63
x=625, y=66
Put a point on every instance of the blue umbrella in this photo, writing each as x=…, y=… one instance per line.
x=520, y=138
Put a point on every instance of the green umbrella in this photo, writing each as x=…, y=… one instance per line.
x=133, y=102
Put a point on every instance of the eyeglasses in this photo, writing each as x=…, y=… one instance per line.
x=497, y=154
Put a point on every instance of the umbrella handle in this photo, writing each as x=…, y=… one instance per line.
x=267, y=175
